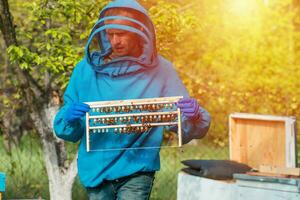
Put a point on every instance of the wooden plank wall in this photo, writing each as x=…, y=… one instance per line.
x=258, y=142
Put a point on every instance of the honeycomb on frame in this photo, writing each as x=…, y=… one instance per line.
x=135, y=116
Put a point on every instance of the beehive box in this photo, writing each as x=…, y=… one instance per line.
x=190, y=187
x=263, y=140
x=264, y=188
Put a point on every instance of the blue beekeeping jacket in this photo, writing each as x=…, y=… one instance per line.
x=96, y=79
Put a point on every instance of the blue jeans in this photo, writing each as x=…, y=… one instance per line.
x=137, y=186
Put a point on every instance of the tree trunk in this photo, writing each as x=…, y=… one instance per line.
x=9, y=124
x=61, y=176
x=6, y=24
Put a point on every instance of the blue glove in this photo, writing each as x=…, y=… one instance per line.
x=76, y=111
x=189, y=108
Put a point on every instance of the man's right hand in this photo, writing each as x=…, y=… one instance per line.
x=76, y=111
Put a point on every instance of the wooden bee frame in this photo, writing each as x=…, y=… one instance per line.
x=118, y=116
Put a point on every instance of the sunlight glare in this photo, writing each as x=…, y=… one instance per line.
x=242, y=8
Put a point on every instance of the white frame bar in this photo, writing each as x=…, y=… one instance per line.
x=179, y=128
x=87, y=132
x=133, y=125
x=161, y=100
x=133, y=115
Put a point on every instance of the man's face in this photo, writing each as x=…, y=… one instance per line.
x=124, y=43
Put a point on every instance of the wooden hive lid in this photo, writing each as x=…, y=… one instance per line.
x=262, y=140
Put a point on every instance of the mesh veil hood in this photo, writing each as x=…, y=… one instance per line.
x=98, y=47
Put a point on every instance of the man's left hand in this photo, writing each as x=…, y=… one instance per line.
x=189, y=108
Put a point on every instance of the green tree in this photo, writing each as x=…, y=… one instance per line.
x=51, y=43
x=241, y=57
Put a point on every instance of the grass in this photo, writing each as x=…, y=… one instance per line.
x=27, y=178
x=26, y=173
x=24, y=169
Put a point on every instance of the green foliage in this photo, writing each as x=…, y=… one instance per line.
x=173, y=26
x=52, y=37
x=239, y=60
x=231, y=62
